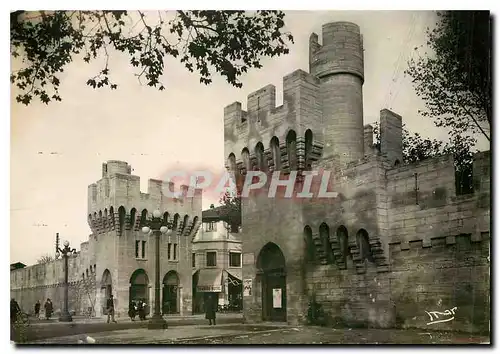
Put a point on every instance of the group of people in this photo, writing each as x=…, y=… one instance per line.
x=49, y=309
x=15, y=309
x=138, y=307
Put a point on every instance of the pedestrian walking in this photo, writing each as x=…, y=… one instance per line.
x=142, y=309
x=210, y=307
x=48, y=309
x=15, y=310
x=37, y=309
x=132, y=310
x=110, y=308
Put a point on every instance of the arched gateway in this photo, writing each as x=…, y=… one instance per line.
x=170, y=303
x=106, y=289
x=272, y=270
x=139, y=286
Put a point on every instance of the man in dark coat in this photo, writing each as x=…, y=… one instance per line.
x=110, y=308
x=132, y=310
x=15, y=310
x=48, y=309
x=210, y=308
x=37, y=309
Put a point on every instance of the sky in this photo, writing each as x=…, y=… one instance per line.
x=57, y=150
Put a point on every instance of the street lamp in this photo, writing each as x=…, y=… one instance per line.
x=66, y=252
x=157, y=227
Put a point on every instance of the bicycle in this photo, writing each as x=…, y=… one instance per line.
x=23, y=318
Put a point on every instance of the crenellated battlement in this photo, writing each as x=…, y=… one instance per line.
x=300, y=95
x=341, y=50
x=112, y=198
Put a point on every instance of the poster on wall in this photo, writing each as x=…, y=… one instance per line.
x=277, y=298
x=247, y=287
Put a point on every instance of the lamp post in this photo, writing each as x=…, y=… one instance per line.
x=157, y=227
x=66, y=252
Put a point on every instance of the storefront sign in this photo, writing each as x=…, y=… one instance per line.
x=277, y=298
x=209, y=289
x=247, y=287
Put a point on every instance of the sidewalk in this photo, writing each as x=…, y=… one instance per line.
x=102, y=319
x=38, y=330
x=168, y=336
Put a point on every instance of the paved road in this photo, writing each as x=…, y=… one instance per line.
x=320, y=335
x=38, y=330
x=235, y=334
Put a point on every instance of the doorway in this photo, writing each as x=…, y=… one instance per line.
x=106, y=289
x=139, y=287
x=170, y=303
x=271, y=264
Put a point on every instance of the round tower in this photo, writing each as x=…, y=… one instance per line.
x=338, y=63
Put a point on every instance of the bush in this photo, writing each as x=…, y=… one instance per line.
x=316, y=314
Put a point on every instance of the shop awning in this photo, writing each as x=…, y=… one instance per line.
x=209, y=281
x=232, y=279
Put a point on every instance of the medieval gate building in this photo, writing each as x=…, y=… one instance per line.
x=395, y=243
x=117, y=259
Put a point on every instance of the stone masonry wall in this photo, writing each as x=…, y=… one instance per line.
x=279, y=221
x=442, y=276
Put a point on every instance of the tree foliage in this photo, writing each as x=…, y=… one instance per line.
x=225, y=42
x=45, y=259
x=455, y=82
x=230, y=210
x=85, y=288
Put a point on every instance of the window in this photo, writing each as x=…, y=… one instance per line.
x=140, y=249
x=169, y=250
x=211, y=259
x=211, y=226
x=175, y=251
x=234, y=259
x=193, y=260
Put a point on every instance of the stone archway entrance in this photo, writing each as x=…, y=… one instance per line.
x=106, y=289
x=271, y=265
x=139, y=287
x=170, y=298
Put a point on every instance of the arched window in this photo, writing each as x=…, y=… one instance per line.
x=309, y=244
x=165, y=217
x=121, y=217
x=275, y=152
x=291, y=149
x=133, y=211
x=259, y=154
x=342, y=238
x=324, y=234
x=245, y=156
x=144, y=218
x=364, y=245
x=309, y=141
x=185, y=222
x=231, y=162
x=176, y=221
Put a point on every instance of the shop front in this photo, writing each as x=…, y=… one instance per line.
x=206, y=282
x=217, y=282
